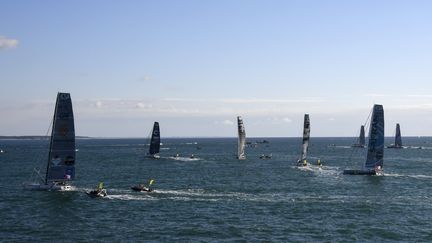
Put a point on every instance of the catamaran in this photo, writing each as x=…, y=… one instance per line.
x=154, y=142
x=398, y=139
x=60, y=169
x=375, y=153
x=306, y=135
x=361, y=140
x=241, y=139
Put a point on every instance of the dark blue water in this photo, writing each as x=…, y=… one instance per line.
x=218, y=198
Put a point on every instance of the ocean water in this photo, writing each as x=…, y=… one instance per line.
x=217, y=198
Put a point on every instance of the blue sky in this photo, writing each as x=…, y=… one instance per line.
x=195, y=65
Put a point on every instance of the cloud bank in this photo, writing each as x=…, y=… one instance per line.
x=7, y=43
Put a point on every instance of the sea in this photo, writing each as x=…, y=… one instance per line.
x=217, y=198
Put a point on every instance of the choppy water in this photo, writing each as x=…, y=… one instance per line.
x=217, y=198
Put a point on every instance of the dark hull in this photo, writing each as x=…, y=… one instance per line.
x=394, y=147
x=141, y=189
x=359, y=172
x=96, y=194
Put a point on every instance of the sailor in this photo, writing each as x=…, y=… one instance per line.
x=319, y=162
x=304, y=162
x=192, y=156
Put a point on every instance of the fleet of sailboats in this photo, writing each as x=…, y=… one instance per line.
x=60, y=166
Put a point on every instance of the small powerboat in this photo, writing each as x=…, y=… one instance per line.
x=269, y=156
x=141, y=188
x=97, y=193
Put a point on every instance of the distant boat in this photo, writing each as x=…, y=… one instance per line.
x=142, y=188
x=266, y=156
x=61, y=158
x=98, y=192
x=306, y=135
x=154, y=142
x=398, y=139
x=241, y=139
x=361, y=140
x=375, y=153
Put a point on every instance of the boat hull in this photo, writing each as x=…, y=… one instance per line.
x=49, y=187
x=141, y=189
x=361, y=172
x=153, y=156
x=96, y=193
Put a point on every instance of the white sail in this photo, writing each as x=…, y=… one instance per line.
x=241, y=139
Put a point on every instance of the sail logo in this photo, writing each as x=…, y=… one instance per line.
x=64, y=131
x=56, y=160
x=64, y=96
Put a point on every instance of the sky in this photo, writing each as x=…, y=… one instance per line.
x=195, y=66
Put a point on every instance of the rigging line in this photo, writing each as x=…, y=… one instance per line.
x=366, y=127
x=36, y=172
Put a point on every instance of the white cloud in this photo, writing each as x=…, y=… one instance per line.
x=228, y=122
x=99, y=104
x=286, y=119
x=143, y=106
x=225, y=122
x=7, y=43
x=145, y=78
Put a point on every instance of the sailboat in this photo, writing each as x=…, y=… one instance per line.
x=361, y=140
x=398, y=139
x=60, y=168
x=375, y=153
x=241, y=139
x=306, y=135
x=154, y=142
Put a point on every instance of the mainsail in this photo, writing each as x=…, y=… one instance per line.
x=375, y=154
x=61, y=158
x=362, y=140
x=398, y=138
x=155, y=140
x=241, y=139
x=306, y=135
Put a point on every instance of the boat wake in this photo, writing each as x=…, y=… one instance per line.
x=128, y=197
x=408, y=176
x=184, y=158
